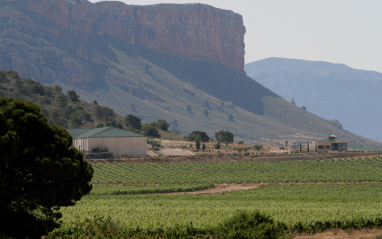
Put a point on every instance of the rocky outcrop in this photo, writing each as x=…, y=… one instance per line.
x=336, y=123
x=195, y=31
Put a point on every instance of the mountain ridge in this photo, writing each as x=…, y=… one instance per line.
x=330, y=90
x=198, y=94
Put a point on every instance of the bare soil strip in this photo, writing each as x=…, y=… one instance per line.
x=226, y=188
x=342, y=234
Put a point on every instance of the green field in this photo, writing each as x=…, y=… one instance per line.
x=299, y=207
x=148, y=189
x=326, y=170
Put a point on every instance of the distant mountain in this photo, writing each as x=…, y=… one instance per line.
x=331, y=91
x=180, y=62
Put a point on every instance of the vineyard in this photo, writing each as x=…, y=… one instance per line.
x=326, y=170
x=149, y=189
x=303, y=207
x=355, y=203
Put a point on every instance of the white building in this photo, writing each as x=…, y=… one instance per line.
x=109, y=139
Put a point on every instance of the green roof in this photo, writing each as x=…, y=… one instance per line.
x=77, y=132
x=104, y=132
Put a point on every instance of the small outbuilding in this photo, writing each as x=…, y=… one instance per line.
x=111, y=141
x=331, y=144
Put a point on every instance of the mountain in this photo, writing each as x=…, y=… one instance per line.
x=182, y=63
x=332, y=91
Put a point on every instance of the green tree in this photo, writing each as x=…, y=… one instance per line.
x=99, y=125
x=114, y=124
x=197, y=142
x=14, y=74
x=95, y=102
x=133, y=122
x=286, y=143
x=202, y=135
x=203, y=147
x=88, y=117
x=308, y=146
x=258, y=147
x=103, y=113
x=240, y=142
x=57, y=88
x=62, y=100
x=162, y=124
x=2, y=75
x=239, y=150
x=73, y=96
x=217, y=145
x=224, y=136
x=152, y=132
x=39, y=171
x=304, y=108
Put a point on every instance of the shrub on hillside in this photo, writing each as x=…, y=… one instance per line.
x=224, y=136
x=203, y=136
x=246, y=225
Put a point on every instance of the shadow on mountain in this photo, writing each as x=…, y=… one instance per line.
x=211, y=77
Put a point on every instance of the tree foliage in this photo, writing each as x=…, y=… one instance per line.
x=151, y=132
x=162, y=124
x=245, y=225
x=203, y=136
x=197, y=142
x=258, y=147
x=224, y=136
x=73, y=96
x=133, y=122
x=104, y=113
x=39, y=171
x=62, y=100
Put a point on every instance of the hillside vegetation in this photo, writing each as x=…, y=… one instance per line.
x=59, y=108
x=68, y=110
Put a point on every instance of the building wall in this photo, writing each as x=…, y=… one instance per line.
x=327, y=145
x=132, y=146
x=81, y=144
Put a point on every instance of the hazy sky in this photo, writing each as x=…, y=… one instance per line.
x=340, y=31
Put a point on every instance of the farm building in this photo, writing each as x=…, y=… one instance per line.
x=108, y=142
x=331, y=144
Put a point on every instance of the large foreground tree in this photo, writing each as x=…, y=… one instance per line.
x=39, y=171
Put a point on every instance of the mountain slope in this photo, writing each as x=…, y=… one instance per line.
x=200, y=94
x=332, y=91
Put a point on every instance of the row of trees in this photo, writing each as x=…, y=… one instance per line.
x=221, y=136
x=135, y=124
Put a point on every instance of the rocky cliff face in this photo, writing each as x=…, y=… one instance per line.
x=192, y=30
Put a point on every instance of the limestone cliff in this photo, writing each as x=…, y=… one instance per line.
x=195, y=31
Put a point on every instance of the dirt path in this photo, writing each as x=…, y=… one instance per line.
x=343, y=234
x=226, y=188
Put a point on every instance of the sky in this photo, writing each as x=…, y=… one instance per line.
x=341, y=31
